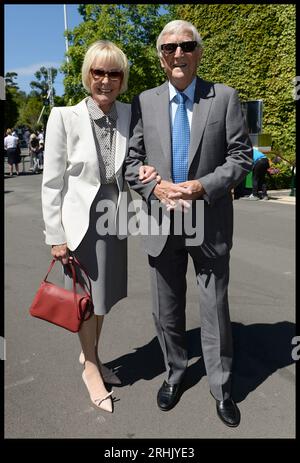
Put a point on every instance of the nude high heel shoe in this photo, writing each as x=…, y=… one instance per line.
x=105, y=402
x=109, y=377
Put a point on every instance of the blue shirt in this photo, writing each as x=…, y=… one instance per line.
x=257, y=155
x=190, y=93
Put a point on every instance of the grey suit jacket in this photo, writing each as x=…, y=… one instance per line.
x=220, y=155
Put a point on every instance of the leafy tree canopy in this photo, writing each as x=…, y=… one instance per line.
x=134, y=28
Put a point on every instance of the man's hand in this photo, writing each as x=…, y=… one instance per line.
x=60, y=252
x=163, y=190
x=148, y=173
x=191, y=189
x=179, y=204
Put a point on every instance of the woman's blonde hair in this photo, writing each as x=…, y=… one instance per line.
x=110, y=52
x=8, y=131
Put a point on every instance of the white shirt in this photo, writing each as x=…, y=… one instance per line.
x=189, y=92
x=10, y=142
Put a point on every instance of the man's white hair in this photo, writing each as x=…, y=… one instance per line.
x=178, y=27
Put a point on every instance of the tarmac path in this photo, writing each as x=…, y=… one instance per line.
x=45, y=396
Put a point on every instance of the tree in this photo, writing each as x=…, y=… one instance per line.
x=9, y=80
x=40, y=87
x=30, y=111
x=59, y=100
x=134, y=28
x=11, y=100
x=11, y=110
x=39, y=95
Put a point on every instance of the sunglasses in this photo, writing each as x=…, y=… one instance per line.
x=186, y=47
x=100, y=73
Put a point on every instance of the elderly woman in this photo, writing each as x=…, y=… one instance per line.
x=84, y=153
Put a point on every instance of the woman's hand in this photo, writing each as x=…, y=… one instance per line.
x=148, y=173
x=60, y=252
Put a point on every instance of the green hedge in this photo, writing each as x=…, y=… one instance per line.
x=282, y=179
x=252, y=48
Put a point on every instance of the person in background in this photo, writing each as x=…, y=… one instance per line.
x=27, y=136
x=259, y=171
x=41, y=135
x=13, y=152
x=85, y=148
x=40, y=155
x=33, y=148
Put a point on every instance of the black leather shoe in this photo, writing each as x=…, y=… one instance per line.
x=228, y=412
x=168, y=396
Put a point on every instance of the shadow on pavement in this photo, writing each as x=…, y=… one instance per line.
x=259, y=351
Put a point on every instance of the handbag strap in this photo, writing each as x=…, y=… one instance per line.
x=71, y=262
x=50, y=268
x=74, y=259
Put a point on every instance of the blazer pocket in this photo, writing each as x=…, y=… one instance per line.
x=75, y=169
x=209, y=124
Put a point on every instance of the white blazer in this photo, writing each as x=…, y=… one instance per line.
x=71, y=177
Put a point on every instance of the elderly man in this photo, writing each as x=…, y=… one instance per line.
x=192, y=131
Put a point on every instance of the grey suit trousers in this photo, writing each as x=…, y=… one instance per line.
x=168, y=284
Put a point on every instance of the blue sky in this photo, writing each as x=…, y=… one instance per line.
x=34, y=37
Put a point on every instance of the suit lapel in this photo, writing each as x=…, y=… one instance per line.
x=84, y=130
x=202, y=104
x=161, y=107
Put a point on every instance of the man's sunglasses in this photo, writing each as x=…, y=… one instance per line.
x=100, y=73
x=186, y=47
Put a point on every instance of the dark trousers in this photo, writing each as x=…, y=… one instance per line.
x=259, y=176
x=168, y=282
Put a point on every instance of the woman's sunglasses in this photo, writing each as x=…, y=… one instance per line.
x=186, y=47
x=100, y=73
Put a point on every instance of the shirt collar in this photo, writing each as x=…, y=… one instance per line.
x=96, y=113
x=189, y=91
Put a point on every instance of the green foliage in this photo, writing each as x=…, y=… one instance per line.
x=13, y=99
x=59, y=101
x=40, y=86
x=251, y=47
x=10, y=109
x=134, y=28
x=22, y=109
x=30, y=111
x=282, y=178
x=9, y=80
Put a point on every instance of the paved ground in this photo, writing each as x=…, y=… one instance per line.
x=44, y=393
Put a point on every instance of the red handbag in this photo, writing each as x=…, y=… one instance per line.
x=60, y=306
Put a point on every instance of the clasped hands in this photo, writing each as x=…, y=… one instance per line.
x=173, y=195
x=178, y=195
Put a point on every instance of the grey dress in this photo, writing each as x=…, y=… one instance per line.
x=104, y=256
